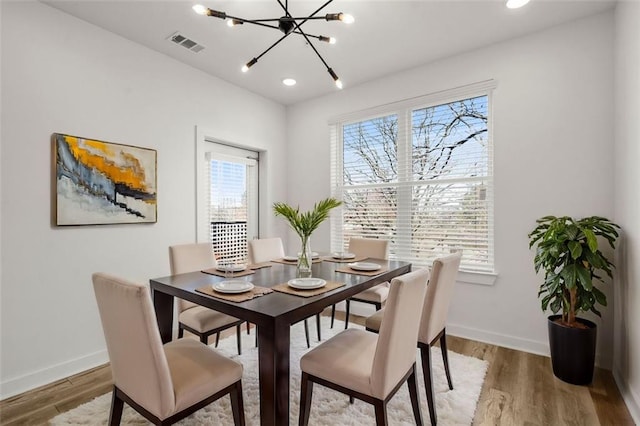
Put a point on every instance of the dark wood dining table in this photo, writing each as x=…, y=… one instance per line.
x=273, y=314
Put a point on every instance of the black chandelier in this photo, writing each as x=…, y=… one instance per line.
x=288, y=25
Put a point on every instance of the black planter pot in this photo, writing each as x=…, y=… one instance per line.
x=573, y=351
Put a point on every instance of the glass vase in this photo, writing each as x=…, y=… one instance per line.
x=305, y=261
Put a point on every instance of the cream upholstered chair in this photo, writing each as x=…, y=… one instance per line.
x=164, y=383
x=376, y=295
x=433, y=322
x=266, y=249
x=367, y=366
x=194, y=318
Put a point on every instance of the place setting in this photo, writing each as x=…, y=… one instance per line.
x=362, y=268
x=293, y=260
x=230, y=270
x=307, y=287
x=232, y=288
x=343, y=257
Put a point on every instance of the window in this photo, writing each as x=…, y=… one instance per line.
x=228, y=193
x=420, y=175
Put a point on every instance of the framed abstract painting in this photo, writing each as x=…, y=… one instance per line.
x=100, y=183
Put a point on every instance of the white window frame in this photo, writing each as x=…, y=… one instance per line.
x=403, y=110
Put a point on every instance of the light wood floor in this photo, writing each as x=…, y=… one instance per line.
x=519, y=389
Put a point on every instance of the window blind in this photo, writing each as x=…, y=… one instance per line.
x=419, y=175
x=232, y=201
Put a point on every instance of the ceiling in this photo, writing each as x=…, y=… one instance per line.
x=386, y=37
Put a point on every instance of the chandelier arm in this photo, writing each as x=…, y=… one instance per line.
x=272, y=46
x=316, y=50
x=290, y=18
x=258, y=22
x=311, y=44
x=311, y=16
x=274, y=27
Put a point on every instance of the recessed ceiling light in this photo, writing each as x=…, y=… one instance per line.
x=289, y=82
x=514, y=4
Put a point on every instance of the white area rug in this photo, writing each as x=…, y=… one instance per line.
x=454, y=407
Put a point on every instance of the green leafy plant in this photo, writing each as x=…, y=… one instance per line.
x=304, y=223
x=568, y=253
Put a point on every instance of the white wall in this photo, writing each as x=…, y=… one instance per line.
x=553, y=132
x=60, y=74
x=626, y=367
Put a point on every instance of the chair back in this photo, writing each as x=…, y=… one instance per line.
x=265, y=249
x=438, y=298
x=136, y=355
x=188, y=258
x=396, y=347
x=369, y=247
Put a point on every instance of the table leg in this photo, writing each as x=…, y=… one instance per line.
x=273, y=358
x=163, y=305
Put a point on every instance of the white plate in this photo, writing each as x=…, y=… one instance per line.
x=314, y=255
x=290, y=258
x=306, y=283
x=339, y=255
x=233, y=286
x=233, y=268
x=364, y=266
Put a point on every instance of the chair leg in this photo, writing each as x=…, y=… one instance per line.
x=333, y=314
x=415, y=397
x=217, y=338
x=425, y=355
x=205, y=339
x=256, y=336
x=237, y=404
x=318, y=327
x=445, y=357
x=351, y=399
x=117, y=405
x=239, y=338
x=180, y=332
x=306, y=332
x=306, y=393
x=381, y=413
x=346, y=318
x=248, y=332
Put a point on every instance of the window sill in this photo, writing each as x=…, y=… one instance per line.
x=481, y=278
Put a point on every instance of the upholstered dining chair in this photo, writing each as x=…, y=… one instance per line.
x=199, y=320
x=376, y=295
x=432, y=325
x=367, y=366
x=266, y=249
x=164, y=383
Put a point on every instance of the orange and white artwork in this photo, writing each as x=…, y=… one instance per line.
x=101, y=183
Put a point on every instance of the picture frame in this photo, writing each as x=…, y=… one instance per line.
x=103, y=183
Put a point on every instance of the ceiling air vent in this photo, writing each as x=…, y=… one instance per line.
x=186, y=42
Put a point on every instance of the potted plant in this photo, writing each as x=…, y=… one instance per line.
x=567, y=250
x=304, y=223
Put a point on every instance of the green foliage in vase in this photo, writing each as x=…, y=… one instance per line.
x=304, y=223
x=568, y=253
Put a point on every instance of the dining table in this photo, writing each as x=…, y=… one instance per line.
x=272, y=313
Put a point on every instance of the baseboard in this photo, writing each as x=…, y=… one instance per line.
x=631, y=400
x=51, y=374
x=513, y=342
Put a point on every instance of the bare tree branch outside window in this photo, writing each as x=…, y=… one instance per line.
x=444, y=180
